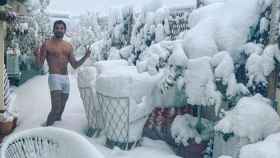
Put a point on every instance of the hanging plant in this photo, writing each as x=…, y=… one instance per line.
x=7, y=16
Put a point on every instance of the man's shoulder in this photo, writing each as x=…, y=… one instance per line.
x=68, y=44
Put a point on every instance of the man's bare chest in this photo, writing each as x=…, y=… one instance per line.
x=57, y=52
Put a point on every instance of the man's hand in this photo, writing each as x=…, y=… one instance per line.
x=40, y=50
x=88, y=51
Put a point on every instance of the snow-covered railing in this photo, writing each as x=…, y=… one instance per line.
x=178, y=21
x=48, y=142
x=177, y=26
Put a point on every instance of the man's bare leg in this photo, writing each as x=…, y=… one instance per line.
x=64, y=98
x=56, y=106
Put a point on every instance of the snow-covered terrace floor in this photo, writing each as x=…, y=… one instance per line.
x=33, y=102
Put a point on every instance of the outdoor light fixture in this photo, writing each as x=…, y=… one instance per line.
x=3, y=2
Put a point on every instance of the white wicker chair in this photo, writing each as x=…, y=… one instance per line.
x=48, y=142
x=86, y=85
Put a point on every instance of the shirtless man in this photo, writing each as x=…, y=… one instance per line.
x=58, y=54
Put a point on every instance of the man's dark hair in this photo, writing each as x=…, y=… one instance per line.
x=59, y=22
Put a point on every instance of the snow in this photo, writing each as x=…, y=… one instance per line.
x=200, y=88
x=125, y=82
x=227, y=28
x=102, y=66
x=178, y=56
x=86, y=76
x=77, y=145
x=223, y=156
x=259, y=66
x=73, y=119
x=183, y=134
x=152, y=56
x=250, y=48
x=202, y=13
x=252, y=117
x=268, y=148
x=224, y=72
x=199, y=36
x=208, y=2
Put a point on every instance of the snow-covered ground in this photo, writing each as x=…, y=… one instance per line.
x=33, y=102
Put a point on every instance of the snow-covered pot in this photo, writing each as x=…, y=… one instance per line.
x=231, y=147
x=7, y=123
x=193, y=134
x=6, y=127
x=124, y=95
x=193, y=150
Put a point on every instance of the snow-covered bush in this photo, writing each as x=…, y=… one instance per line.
x=184, y=130
x=227, y=29
x=252, y=117
x=260, y=65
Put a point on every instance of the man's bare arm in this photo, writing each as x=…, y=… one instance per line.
x=40, y=54
x=75, y=64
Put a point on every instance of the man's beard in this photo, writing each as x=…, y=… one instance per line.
x=58, y=34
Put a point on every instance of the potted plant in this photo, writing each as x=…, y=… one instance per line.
x=7, y=123
x=194, y=136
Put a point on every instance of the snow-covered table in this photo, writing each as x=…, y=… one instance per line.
x=125, y=96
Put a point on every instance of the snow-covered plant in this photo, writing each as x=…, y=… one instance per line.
x=189, y=133
x=43, y=23
x=154, y=58
x=260, y=65
x=252, y=118
x=225, y=78
x=150, y=28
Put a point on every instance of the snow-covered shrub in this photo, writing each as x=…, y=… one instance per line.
x=260, y=65
x=226, y=80
x=252, y=117
x=153, y=58
x=227, y=29
x=184, y=130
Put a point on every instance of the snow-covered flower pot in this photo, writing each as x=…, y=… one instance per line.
x=251, y=120
x=124, y=95
x=186, y=131
x=7, y=126
x=193, y=150
x=86, y=84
